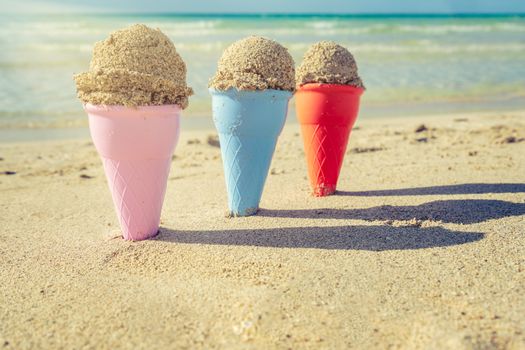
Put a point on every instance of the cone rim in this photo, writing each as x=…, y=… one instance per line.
x=234, y=91
x=155, y=109
x=322, y=87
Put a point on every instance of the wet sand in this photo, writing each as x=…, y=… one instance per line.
x=423, y=247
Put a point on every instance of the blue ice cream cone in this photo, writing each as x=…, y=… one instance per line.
x=248, y=123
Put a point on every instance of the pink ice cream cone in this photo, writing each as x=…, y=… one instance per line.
x=136, y=145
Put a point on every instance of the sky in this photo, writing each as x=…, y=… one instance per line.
x=266, y=6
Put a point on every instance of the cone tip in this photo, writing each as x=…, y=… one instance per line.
x=323, y=190
x=243, y=212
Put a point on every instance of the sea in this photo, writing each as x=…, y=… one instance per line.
x=411, y=65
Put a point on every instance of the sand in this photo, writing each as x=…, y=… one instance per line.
x=327, y=62
x=135, y=66
x=255, y=63
x=422, y=248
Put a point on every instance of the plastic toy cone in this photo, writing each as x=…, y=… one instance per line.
x=248, y=123
x=136, y=145
x=327, y=113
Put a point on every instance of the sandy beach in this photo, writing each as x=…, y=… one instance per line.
x=423, y=247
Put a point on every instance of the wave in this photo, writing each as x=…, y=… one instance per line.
x=203, y=24
x=353, y=27
x=89, y=30
x=98, y=30
x=423, y=47
x=451, y=49
x=460, y=28
x=419, y=47
x=59, y=47
x=322, y=24
x=403, y=26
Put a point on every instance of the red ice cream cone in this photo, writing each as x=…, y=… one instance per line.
x=327, y=113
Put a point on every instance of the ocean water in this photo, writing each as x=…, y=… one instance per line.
x=409, y=64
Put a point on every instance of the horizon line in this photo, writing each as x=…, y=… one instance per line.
x=292, y=14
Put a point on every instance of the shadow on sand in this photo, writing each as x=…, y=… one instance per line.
x=461, y=211
x=478, y=188
x=373, y=238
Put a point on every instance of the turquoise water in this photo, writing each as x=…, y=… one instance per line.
x=409, y=64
